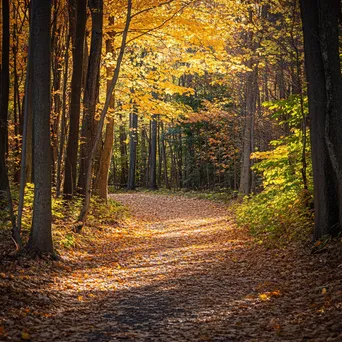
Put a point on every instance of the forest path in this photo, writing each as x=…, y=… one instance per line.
x=191, y=275
x=178, y=270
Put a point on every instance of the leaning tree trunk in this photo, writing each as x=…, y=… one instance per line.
x=40, y=240
x=91, y=92
x=320, y=26
x=85, y=208
x=70, y=172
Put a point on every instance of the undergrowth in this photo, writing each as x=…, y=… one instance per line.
x=102, y=215
x=282, y=211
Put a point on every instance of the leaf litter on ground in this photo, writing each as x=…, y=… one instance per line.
x=177, y=270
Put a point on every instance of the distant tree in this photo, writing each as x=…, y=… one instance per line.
x=133, y=136
x=323, y=69
x=40, y=240
x=153, y=154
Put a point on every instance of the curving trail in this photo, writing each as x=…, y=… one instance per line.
x=193, y=276
x=179, y=270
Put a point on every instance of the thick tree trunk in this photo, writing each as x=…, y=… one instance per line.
x=40, y=240
x=75, y=97
x=320, y=25
x=91, y=92
x=153, y=155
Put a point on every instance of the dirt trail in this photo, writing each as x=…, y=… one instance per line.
x=180, y=270
x=199, y=278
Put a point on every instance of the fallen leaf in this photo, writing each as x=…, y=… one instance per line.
x=25, y=336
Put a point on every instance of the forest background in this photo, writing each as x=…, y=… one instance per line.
x=191, y=95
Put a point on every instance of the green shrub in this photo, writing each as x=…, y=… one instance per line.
x=282, y=209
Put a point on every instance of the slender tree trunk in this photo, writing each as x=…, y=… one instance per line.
x=91, y=92
x=132, y=151
x=75, y=98
x=163, y=152
x=123, y=156
x=153, y=155
x=4, y=96
x=143, y=152
x=63, y=120
x=160, y=159
x=180, y=158
x=5, y=190
x=40, y=240
x=106, y=152
x=56, y=87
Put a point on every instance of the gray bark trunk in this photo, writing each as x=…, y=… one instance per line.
x=40, y=240
x=320, y=25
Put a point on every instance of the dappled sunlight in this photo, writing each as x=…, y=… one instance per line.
x=167, y=277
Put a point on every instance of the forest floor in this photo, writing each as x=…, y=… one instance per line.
x=177, y=270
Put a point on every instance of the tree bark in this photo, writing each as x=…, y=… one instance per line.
x=40, y=240
x=76, y=80
x=91, y=92
x=132, y=151
x=63, y=120
x=123, y=156
x=246, y=176
x=153, y=155
x=85, y=208
x=4, y=96
x=106, y=152
x=320, y=26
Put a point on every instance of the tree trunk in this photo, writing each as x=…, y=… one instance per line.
x=132, y=150
x=91, y=92
x=246, y=176
x=63, y=120
x=85, y=208
x=320, y=26
x=4, y=95
x=75, y=97
x=153, y=155
x=56, y=60
x=106, y=152
x=40, y=240
x=143, y=153
x=163, y=152
x=123, y=156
